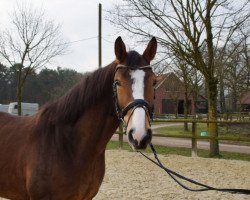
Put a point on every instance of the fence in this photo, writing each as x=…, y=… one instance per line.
x=194, y=137
x=221, y=116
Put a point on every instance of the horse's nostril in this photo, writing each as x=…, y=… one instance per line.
x=146, y=140
x=130, y=136
x=130, y=133
x=149, y=133
x=142, y=144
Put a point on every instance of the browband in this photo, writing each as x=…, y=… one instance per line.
x=119, y=66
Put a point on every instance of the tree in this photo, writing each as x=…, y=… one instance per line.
x=231, y=63
x=52, y=84
x=67, y=79
x=190, y=30
x=236, y=77
x=4, y=80
x=191, y=82
x=30, y=42
x=246, y=55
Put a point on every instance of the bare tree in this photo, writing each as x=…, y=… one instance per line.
x=231, y=63
x=191, y=30
x=246, y=55
x=236, y=76
x=30, y=42
x=183, y=72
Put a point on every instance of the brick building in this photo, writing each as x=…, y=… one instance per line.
x=245, y=102
x=170, y=95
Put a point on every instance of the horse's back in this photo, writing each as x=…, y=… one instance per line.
x=14, y=126
x=4, y=118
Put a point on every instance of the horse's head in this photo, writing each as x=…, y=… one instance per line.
x=134, y=83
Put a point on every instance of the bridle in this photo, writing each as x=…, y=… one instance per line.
x=136, y=103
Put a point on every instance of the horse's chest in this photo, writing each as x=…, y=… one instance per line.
x=76, y=183
x=92, y=179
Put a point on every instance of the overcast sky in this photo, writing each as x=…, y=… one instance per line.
x=79, y=20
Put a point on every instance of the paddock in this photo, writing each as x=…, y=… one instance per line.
x=130, y=176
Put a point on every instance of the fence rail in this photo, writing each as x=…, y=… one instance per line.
x=226, y=116
x=194, y=137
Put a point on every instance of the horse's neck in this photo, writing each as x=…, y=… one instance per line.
x=99, y=121
x=95, y=128
x=78, y=122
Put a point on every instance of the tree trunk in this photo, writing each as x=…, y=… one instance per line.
x=186, y=110
x=234, y=99
x=19, y=100
x=176, y=108
x=222, y=96
x=19, y=90
x=212, y=115
x=195, y=98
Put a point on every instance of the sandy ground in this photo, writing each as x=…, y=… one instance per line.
x=129, y=176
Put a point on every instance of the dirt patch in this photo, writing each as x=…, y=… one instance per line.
x=130, y=176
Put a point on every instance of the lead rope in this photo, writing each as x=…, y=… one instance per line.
x=174, y=176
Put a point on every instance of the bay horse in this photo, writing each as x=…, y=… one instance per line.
x=59, y=153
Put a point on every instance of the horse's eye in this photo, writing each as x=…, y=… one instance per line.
x=154, y=83
x=118, y=83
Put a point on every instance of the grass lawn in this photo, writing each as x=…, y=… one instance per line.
x=178, y=130
x=182, y=151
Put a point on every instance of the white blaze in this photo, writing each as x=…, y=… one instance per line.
x=138, y=118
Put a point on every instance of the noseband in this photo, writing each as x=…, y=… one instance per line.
x=137, y=103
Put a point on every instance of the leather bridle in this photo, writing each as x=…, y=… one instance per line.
x=136, y=103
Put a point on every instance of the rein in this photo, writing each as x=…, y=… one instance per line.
x=175, y=175
x=149, y=111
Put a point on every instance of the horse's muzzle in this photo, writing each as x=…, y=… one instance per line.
x=145, y=139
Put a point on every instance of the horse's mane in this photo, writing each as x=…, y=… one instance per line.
x=86, y=93
x=92, y=87
x=55, y=121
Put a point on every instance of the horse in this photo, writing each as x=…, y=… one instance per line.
x=59, y=153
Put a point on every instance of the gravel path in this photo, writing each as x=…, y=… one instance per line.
x=130, y=176
x=155, y=126
x=187, y=143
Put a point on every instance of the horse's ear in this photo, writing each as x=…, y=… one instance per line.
x=120, y=49
x=150, y=51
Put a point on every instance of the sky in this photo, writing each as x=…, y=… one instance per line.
x=79, y=21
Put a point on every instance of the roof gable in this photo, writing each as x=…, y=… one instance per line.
x=170, y=82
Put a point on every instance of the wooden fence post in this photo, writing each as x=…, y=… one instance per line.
x=194, y=141
x=120, y=136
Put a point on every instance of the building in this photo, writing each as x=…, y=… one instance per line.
x=170, y=95
x=245, y=102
